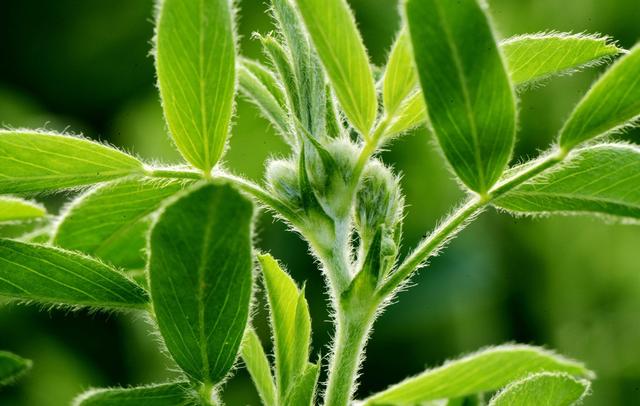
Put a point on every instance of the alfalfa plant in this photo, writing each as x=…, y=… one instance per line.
x=176, y=242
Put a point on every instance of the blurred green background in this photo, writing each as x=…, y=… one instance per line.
x=571, y=284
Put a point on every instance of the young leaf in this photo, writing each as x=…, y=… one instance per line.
x=33, y=161
x=258, y=93
x=200, y=278
x=195, y=60
x=13, y=208
x=166, y=394
x=267, y=78
x=535, y=57
x=111, y=222
x=304, y=390
x=484, y=371
x=290, y=322
x=466, y=87
x=400, y=76
x=52, y=276
x=411, y=114
x=612, y=103
x=258, y=366
x=12, y=367
x=599, y=179
x=545, y=389
x=344, y=58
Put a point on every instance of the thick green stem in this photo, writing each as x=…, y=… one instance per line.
x=352, y=331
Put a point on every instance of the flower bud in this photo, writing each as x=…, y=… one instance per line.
x=282, y=178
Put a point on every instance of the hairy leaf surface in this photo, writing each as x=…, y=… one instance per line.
x=167, y=394
x=111, y=222
x=196, y=63
x=484, y=371
x=535, y=57
x=339, y=45
x=53, y=276
x=13, y=208
x=545, y=389
x=600, y=179
x=12, y=367
x=35, y=161
x=200, y=278
x=400, y=76
x=290, y=322
x=466, y=87
x=612, y=103
x=258, y=366
x=303, y=392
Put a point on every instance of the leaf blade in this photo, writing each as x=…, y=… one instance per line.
x=54, y=276
x=32, y=161
x=599, y=179
x=13, y=209
x=290, y=322
x=543, y=389
x=258, y=366
x=201, y=279
x=168, y=394
x=612, y=103
x=344, y=58
x=470, y=100
x=535, y=57
x=195, y=63
x=400, y=76
x=12, y=367
x=484, y=371
x=111, y=221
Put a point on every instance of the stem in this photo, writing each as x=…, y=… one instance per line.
x=174, y=173
x=352, y=331
x=457, y=221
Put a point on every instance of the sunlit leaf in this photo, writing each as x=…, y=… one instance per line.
x=601, y=179
x=290, y=322
x=484, y=371
x=53, y=276
x=195, y=61
x=400, y=77
x=344, y=58
x=612, y=103
x=466, y=87
x=33, y=161
x=111, y=222
x=200, y=278
x=545, y=389
x=536, y=57
x=303, y=392
x=167, y=394
x=12, y=367
x=412, y=113
x=258, y=366
x=13, y=208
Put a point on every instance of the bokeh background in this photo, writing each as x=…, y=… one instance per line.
x=571, y=284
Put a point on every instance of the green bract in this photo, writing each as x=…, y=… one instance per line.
x=186, y=232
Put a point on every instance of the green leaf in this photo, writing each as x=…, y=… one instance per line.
x=200, y=278
x=54, y=276
x=290, y=322
x=167, y=394
x=466, y=87
x=611, y=104
x=13, y=208
x=535, y=57
x=33, y=161
x=484, y=371
x=258, y=366
x=344, y=58
x=111, y=222
x=196, y=63
x=412, y=113
x=545, y=389
x=303, y=392
x=400, y=76
x=12, y=367
x=257, y=91
x=600, y=179
x=267, y=78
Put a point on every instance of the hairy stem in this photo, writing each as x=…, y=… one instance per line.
x=352, y=331
x=457, y=221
